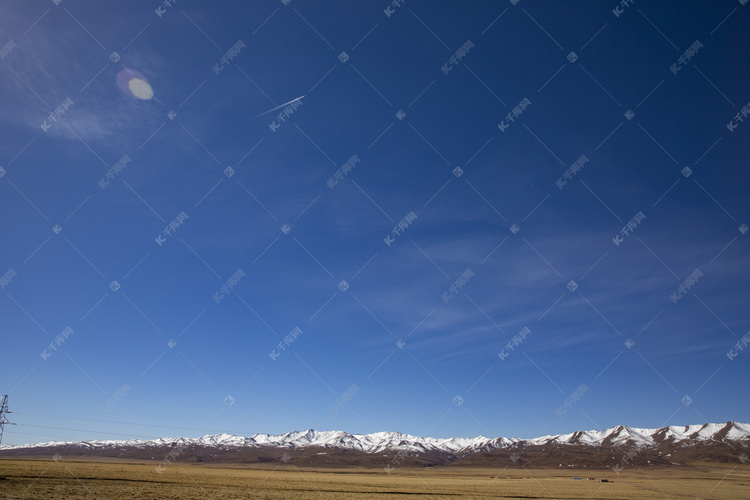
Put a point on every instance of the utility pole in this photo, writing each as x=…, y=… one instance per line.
x=3, y=419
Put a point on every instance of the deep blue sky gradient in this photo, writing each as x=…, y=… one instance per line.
x=182, y=354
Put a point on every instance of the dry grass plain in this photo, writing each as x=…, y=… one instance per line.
x=42, y=479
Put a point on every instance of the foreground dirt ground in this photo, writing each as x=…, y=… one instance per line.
x=27, y=479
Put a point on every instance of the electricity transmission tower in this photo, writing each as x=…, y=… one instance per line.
x=3, y=419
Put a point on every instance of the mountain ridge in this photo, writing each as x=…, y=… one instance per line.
x=620, y=436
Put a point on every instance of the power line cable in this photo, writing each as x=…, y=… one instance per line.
x=222, y=431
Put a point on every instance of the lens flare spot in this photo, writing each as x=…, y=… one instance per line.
x=140, y=88
x=133, y=83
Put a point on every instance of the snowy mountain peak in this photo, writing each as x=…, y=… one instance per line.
x=378, y=442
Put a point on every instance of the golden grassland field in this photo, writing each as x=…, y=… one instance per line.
x=48, y=479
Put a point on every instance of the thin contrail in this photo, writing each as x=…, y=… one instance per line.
x=277, y=107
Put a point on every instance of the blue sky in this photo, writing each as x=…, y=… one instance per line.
x=426, y=95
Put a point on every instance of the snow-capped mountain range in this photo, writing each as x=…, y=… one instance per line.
x=380, y=442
